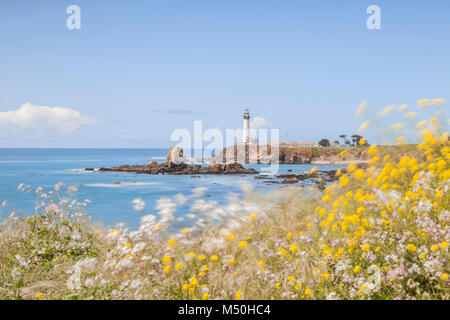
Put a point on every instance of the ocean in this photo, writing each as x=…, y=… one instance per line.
x=111, y=203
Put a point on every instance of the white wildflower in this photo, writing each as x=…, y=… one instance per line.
x=139, y=204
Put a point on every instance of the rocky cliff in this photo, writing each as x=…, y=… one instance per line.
x=289, y=155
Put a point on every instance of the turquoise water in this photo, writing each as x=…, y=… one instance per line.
x=112, y=203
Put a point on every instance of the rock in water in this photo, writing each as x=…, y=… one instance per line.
x=175, y=157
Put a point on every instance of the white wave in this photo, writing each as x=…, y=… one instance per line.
x=119, y=185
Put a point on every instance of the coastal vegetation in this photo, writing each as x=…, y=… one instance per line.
x=324, y=143
x=380, y=232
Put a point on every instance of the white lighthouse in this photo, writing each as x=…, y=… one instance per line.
x=246, y=130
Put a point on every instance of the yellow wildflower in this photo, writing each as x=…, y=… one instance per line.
x=351, y=167
x=193, y=281
x=171, y=243
x=326, y=276
x=229, y=236
x=242, y=244
x=214, y=257
x=421, y=124
x=293, y=248
x=403, y=107
x=307, y=291
x=366, y=247
x=178, y=266
x=424, y=103
x=438, y=101
x=401, y=140
x=343, y=181
x=361, y=289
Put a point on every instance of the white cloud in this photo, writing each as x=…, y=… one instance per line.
x=43, y=120
x=257, y=122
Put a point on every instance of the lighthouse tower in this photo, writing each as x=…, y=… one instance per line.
x=246, y=130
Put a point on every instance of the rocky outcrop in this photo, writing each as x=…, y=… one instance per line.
x=176, y=164
x=182, y=169
x=320, y=178
x=175, y=157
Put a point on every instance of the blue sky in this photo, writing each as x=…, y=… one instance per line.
x=140, y=69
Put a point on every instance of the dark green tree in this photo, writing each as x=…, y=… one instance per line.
x=346, y=141
x=324, y=143
x=355, y=139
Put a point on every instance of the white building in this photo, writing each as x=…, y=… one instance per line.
x=308, y=145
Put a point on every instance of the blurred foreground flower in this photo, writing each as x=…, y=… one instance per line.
x=361, y=109
x=387, y=110
x=139, y=204
x=363, y=126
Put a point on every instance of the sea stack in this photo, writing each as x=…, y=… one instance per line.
x=175, y=157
